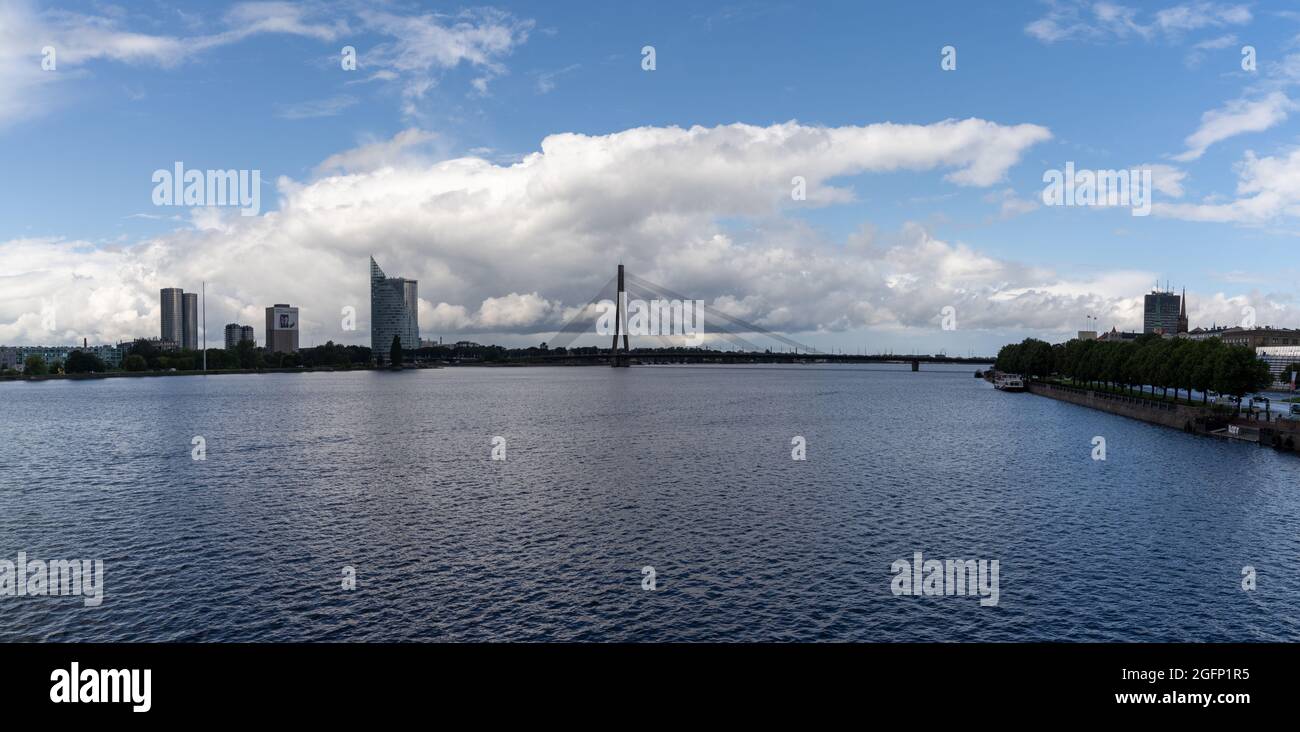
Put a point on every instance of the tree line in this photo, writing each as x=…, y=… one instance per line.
x=144, y=355
x=1149, y=361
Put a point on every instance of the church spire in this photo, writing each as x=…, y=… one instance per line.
x=1182, y=312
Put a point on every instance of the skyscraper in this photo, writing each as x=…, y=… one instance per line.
x=282, y=328
x=394, y=311
x=180, y=317
x=1161, y=313
x=190, y=321
x=173, y=315
x=236, y=333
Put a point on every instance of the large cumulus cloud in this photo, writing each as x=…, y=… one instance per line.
x=514, y=249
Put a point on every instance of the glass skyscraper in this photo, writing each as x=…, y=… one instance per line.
x=394, y=311
x=180, y=317
x=190, y=316
x=173, y=315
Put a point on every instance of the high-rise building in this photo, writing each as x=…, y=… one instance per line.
x=282, y=328
x=173, y=314
x=1161, y=313
x=394, y=311
x=180, y=317
x=190, y=318
x=236, y=333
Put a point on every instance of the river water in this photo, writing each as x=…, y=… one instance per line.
x=309, y=479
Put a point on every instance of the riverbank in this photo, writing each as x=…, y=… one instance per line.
x=210, y=372
x=1194, y=420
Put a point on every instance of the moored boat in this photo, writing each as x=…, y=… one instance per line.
x=1009, y=382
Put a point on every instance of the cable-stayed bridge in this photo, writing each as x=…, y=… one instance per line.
x=673, y=328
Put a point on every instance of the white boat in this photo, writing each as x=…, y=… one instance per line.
x=1009, y=382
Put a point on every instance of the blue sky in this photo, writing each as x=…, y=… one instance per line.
x=136, y=89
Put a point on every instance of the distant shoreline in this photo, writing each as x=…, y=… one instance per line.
x=471, y=364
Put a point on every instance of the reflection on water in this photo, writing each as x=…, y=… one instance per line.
x=684, y=469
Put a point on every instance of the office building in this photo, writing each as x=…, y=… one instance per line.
x=173, y=315
x=236, y=333
x=282, y=328
x=190, y=318
x=180, y=317
x=1162, y=313
x=394, y=311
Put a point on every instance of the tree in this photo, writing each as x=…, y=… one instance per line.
x=1037, y=357
x=246, y=354
x=147, y=351
x=395, y=353
x=80, y=362
x=35, y=366
x=1203, y=372
x=1289, y=373
x=1238, y=372
x=219, y=358
x=1009, y=359
x=135, y=362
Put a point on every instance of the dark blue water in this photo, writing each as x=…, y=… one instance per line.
x=687, y=470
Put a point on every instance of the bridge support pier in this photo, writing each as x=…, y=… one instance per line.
x=620, y=325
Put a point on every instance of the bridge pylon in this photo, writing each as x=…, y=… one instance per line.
x=620, y=325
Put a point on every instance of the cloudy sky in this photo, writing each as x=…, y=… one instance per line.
x=509, y=156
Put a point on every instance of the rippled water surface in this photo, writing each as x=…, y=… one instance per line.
x=685, y=469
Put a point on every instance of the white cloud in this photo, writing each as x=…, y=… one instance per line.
x=422, y=46
x=1198, y=15
x=1102, y=20
x=417, y=49
x=403, y=148
x=1010, y=204
x=513, y=248
x=1267, y=189
x=546, y=79
x=329, y=107
x=1166, y=179
x=1237, y=117
x=1201, y=49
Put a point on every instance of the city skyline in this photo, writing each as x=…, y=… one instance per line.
x=506, y=217
x=921, y=328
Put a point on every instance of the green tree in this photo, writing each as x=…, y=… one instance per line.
x=1207, y=354
x=147, y=351
x=35, y=366
x=395, y=353
x=80, y=362
x=135, y=362
x=1289, y=373
x=219, y=358
x=246, y=355
x=1037, y=357
x=1238, y=372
